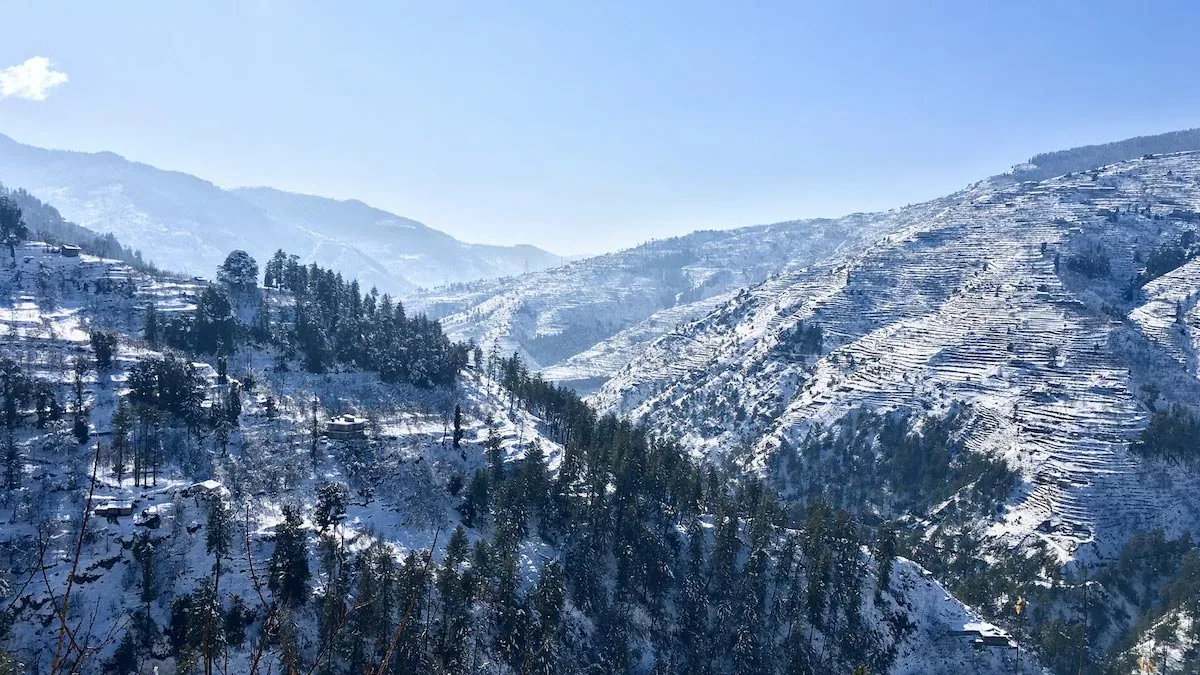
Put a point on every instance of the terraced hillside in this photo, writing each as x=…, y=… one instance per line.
x=1013, y=300
x=582, y=322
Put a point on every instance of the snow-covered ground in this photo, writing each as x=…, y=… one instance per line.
x=969, y=299
x=582, y=322
x=1169, y=646
x=408, y=464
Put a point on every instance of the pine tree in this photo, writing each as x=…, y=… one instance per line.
x=12, y=461
x=614, y=649
x=492, y=449
x=694, y=607
x=548, y=601
x=885, y=557
x=12, y=225
x=239, y=272
x=314, y=431
x=289, y=573
x=122, y=425
x=260, y=328
x=104, y=344
x=81, y=412
x=506, y=609
x=150, y=326
x=218, y=536
x=749, y=655
x=143, y=553
x=535, y=478
x=458, y=428
x=233, y=404
x=475, y=504
x=456, y=604
x=332, y=499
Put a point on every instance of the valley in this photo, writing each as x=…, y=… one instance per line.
x=879, y=442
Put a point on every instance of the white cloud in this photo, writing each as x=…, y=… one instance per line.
x=31, y=80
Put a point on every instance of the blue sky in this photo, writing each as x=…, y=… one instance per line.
x=585, y=127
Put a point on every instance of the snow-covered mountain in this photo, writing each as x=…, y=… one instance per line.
x=1050, y=164
x=583, y=321
x=1014, y=299
x=144, y=550
x=580, y=323
x=187, y=224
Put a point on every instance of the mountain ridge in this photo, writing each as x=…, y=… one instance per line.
x=188, y=223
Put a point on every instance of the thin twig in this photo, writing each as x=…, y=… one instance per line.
x=87, y=510
x=412, y=601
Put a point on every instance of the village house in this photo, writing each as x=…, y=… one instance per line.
x=112, y=510
x=981, y=634
x=346, y=427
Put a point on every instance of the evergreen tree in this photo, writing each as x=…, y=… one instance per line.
x=885, y=558
x=81, y=411
x=13, y=470
x=456, y=604
x=143, y=553
x=458, y=429
x=233, y=403
x=218, y=535
x=289, y=573
x=332, y=499
x=215, y=328
x=150, y=326
x=104, y=344
x=239, y=272
x=475, y=505
x=12, y=225
x=543, y=652
x=492, y=449
x=506, y=608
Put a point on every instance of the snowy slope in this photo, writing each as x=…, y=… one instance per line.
x=583, y=321
x=580, y=324
x=351, y=233
x=964, y=304
x=187, y=224
x=44, y=328
x=268, y=466
x=1171, y=645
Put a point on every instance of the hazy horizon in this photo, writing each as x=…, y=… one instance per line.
x=587, y=130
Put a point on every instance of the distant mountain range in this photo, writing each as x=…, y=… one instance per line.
x=187, y=224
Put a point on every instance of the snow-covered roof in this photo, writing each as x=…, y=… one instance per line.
x=984, y=629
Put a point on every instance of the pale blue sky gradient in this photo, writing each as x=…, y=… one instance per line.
x=584, y=127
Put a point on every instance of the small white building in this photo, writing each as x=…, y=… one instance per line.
x=346, y=427
x=114, y=509
x=983, y=634
x=206, y=490
x=153, y=516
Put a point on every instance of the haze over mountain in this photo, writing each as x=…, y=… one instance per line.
x=187, y=224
